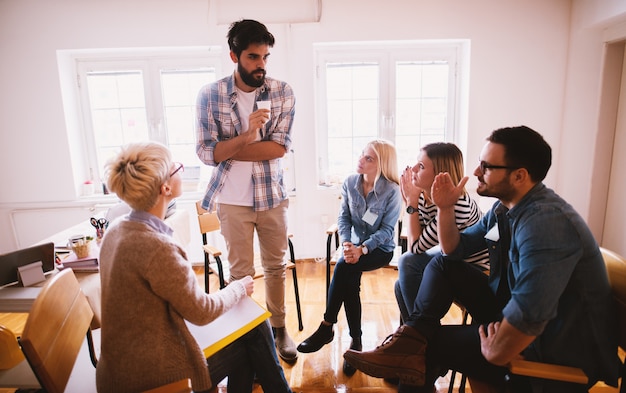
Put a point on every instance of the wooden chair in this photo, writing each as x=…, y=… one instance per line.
x=616, y=269
x=55, y=330
x=209, y=222
x=181, y=386
x=10, y=353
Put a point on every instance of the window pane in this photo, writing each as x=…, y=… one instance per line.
x=385, y=89
x=353, y=113
x=340, y=119
x=340, y=160
x=421, y=107
x=118, y=110
x=365, y=115
x=365, y=81
x=180, y=89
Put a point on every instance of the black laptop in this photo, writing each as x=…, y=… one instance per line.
x=9, y=262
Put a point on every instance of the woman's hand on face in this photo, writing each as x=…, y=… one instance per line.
x=248, y=283
x=410, y=193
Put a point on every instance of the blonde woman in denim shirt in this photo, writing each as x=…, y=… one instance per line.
x=370, y=207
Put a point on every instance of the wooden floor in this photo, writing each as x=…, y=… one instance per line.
x=321, y=372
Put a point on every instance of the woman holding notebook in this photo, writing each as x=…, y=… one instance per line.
x=149, y=290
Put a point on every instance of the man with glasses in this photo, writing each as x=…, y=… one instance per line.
x=547, y=297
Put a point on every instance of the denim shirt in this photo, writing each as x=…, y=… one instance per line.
x=382, y=205
x=559, y=289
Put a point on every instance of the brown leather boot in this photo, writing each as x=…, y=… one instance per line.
x=401, y=355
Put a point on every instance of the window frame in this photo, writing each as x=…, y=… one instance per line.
x=151, y=61
x=387, y=54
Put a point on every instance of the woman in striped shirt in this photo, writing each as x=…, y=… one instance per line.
x=415, y=185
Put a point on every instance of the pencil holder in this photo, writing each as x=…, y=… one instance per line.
x=81, y=248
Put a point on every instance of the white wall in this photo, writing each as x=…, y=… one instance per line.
x=519, y=74
x=586, y=148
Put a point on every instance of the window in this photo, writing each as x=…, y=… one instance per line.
x=144, y=96
x=407, y=93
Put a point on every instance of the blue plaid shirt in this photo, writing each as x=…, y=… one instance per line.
x=218, y=120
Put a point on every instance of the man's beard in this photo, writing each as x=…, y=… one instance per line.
x=250, y=79
x=501, y=190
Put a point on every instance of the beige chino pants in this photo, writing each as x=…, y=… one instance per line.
x=238, y=224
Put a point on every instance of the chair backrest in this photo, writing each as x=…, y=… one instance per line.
x=616, y=269
x=208, y=221
x=55, y=330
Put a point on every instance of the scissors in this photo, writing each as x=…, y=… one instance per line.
x=99, y=223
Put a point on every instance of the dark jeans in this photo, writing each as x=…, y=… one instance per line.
x=455, y=347
x=254, y=354
x=345, y=288
x=410, y=272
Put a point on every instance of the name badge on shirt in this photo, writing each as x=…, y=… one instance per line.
x=493, y=234
x=370, y=217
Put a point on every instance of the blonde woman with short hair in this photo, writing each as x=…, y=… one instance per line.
x=149, y=290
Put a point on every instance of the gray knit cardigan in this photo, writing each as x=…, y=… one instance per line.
x=148, y=291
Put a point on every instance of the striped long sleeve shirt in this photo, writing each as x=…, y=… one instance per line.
x=467, y=213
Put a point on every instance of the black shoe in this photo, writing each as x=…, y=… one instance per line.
x=348, y=369
x=322, y=336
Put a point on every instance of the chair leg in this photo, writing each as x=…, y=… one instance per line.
x=453, y=374
x=329, y=243
x=295, y=285
x=220, y=271
x=207, y=271
x=452, y=378
x=92, y=350
x=328, y=256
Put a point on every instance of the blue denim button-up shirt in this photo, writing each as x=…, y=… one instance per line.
x=558, y=282
x=384, y=201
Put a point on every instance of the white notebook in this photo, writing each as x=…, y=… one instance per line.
x=228, y=327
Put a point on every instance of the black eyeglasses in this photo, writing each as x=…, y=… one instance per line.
x=179, y=167
x=484, y=166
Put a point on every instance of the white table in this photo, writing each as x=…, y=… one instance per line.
x=20, y=299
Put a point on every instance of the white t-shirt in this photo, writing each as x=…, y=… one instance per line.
x=238, y=188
